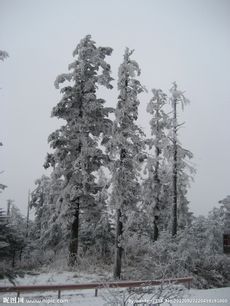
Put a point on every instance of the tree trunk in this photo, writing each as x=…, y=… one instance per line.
x=156, y=230
x=174, y=210
x=74, y=239
x=157, y=182
x=118, y=248
x=13, y=258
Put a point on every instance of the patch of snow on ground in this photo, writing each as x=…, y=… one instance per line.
x=220, y=296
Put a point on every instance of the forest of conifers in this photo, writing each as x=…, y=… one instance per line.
x=115, y=198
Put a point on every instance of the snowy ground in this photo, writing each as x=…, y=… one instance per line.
x=105, y=296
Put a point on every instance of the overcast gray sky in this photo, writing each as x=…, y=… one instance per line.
x=174, y=40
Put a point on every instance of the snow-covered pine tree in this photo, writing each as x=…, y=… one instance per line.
x=179, y=160
x=39, y=201
x=12, y=237
x=44, y=199
x=77, y=154
x=17, y=224
x=154, y=183
x=126, y=148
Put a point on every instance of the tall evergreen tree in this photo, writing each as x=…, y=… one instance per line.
x=17, y=224
x=77, y=154
x=45, y=199
x=178, y=157
x=154, y=183
x=126, y=147
x=39, y=201
x=12, y=237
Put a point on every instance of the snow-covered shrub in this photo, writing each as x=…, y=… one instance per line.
x=196, y=251
x=12, y=239
x=147, y=260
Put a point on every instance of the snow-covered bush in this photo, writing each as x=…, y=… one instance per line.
x=196, y=251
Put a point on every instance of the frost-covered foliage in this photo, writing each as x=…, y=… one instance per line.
x=168, y=169
x=185, y=174
x=156, y=180
x=126, y=145
x=4, y=247
x=12, y=242
x=96, y=231
x=17, y=225
x=178, y=97
x=196, y=251
x=126, y=150
x=82, y=213
x=45, y=200
x=3, y=237
x=181, y=168
x=224, y=211
x=77, y=154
